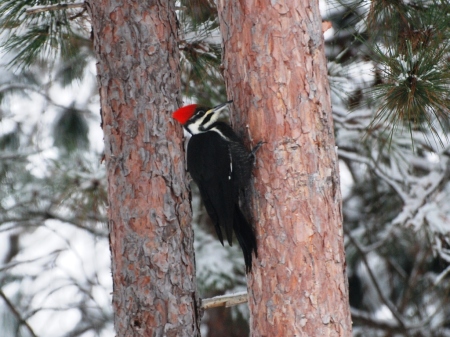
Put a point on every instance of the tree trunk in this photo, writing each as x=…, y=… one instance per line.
x=149, y=210
x=276, y=73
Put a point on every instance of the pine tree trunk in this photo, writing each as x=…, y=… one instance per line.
x=149, y=210
x=276, y=73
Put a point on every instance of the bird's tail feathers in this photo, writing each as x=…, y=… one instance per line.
x=245, y=236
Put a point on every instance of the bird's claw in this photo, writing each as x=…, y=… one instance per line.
x=253, y=152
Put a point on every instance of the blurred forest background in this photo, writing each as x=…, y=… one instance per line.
x=390, y=84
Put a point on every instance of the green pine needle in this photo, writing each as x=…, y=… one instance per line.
x=415, y=89
x=201, y=58
x=71, y=130
x=33, y=38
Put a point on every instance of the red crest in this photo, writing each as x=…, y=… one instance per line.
x=183, y=114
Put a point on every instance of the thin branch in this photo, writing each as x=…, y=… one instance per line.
x=17, y=263
x=224, y=300
x=73, y=17
x=441, y=276
x=16, y=156
x=418, y=193
x=392, y=181
x=383, y=298
x=17, y=313
x=103, y=232
x=47, y=8
x=19, y=86
x=369, y=320
x=414, y=274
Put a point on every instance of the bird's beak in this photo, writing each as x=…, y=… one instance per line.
x=219, y=108
x=214, y=115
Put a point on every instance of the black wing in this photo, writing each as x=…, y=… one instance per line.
x=241, y=157
x=210, y=165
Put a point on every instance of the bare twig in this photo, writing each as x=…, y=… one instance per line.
x=81, y=4
x=79, y=14
x=369, y=320
x=18, y=86
x=11, y=265
x=17, y=313
x=414, y=275
x=380, y=293
x=47, y=8
x=375, y=322
x=17, y=156
x=102, y=232
x=441, y=276
x=224, y=300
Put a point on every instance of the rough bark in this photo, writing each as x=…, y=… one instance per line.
x=149, y=211
x=276, y=73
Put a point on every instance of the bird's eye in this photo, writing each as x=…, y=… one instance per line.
x=200, y=113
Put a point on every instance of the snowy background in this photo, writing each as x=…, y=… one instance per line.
x=55, y=277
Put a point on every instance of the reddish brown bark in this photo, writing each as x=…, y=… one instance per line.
x=149, y=211
x=276, y=73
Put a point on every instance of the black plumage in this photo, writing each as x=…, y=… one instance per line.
x=221, y=167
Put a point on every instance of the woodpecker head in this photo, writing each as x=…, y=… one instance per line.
x=197, y=119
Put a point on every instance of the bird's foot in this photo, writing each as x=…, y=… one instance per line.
x=253, y=152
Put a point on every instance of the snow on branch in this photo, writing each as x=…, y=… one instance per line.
x=224, y=300
x=46, y=8
x=82, y=4
x=17, y=155
x=388, y=177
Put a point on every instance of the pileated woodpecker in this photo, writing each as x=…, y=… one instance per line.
x=221, y=166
